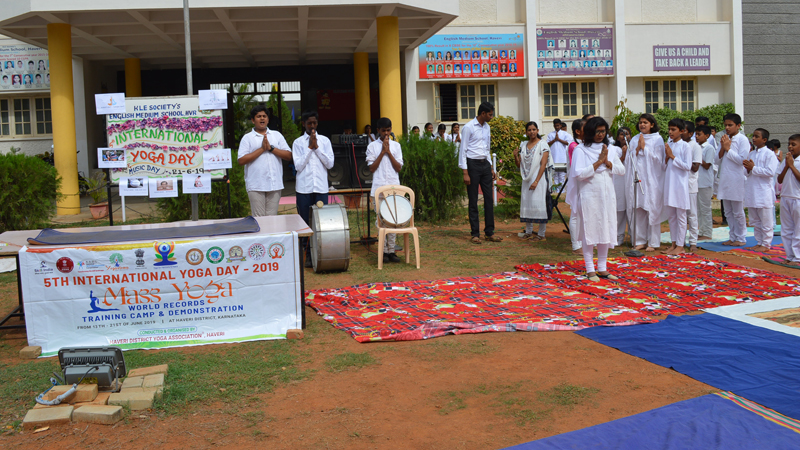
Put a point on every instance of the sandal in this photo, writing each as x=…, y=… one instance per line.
x=493, y=238
x=526, y=236
x=607, y=276
x=594, y=278
x=475, y=240
x=536, y=237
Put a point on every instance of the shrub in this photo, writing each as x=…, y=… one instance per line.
x=430, y=168
x=507, y=133
x=213, y=205
x=28, y=192
x=715, y=113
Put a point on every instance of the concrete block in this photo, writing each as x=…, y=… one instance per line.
x=156, y=391
x=30, y=352
x=101, y=399
x=132, y=382
x=294, y=334
x=102, y=414
x=60, y=405
x=36, y=418
x=85, y=393
x=152, y=370
x=151, y=381
x=135, y=400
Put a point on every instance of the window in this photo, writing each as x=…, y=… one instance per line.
x=25, y=117
x=669, y=94
x=459, y=102
x=569, y=99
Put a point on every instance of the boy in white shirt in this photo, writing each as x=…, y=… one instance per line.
x=676, y=185
x=705, y=184
x=385, y=159
x=734, y=148
x=789, y=177
x=759, y=197
x=261, y=152
x=697, y=157
x=559, y=141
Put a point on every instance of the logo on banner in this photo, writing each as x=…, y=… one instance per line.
x=256, y=251
x=276, y=250
x=194, y=256
x=65, y=264
x=94, y=304
x=43, y=269
x=165, y=254
x=235, y=253
x=215, y=255
x=90, y=265
x=139, y=258
x=115, y=259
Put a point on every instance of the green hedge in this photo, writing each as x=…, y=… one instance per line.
x=715, y=113
x=28, y=192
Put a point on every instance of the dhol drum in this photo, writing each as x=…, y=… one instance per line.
x=396, y=211
x=330, y=244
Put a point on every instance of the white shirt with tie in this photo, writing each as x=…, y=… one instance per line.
x=312, y=165
x=475, y=143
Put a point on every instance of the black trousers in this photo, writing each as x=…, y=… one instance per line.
x=480, y=175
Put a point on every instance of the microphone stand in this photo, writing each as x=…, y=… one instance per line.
x=633, y=253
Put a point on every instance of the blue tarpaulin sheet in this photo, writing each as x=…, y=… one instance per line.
x=756, y=363
x=49, y=236
x=707, y=422
x=750, y=242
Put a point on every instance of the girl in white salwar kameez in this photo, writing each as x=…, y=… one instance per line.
x=593, y=166
x=532, y=158
x=647, y=150
x=577, y=135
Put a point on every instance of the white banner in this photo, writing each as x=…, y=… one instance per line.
x=164, y=294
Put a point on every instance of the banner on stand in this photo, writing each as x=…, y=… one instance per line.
x=162, y=294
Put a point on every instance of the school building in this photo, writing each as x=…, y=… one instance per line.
x=413, y=61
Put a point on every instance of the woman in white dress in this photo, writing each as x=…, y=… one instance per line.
x=596, y=202
x=647, y=150
x=532, y=158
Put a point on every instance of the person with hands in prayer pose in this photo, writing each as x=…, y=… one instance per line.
x=385, y=159
x=789, y=177
x=759, y=189
x=678, y=162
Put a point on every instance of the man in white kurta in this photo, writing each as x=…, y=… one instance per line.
x=734, y=148
x=559, y=141
x=650, y=191
x=759, y=195
x=789, y=177
x=692, y=223
x=676, y=191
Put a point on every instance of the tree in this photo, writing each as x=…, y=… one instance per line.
x=289, y=129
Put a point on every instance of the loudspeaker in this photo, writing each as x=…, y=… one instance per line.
x=350, y=168
x=339, y=174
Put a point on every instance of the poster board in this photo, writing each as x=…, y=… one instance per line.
x=162, y=294
x=164, y=137
x=574, y=51
x=472, y=56
x=23, y=67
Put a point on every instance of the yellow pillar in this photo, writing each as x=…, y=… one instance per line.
x=62, y=104
x=133, y=77
x=389, y=72
x=361, y=69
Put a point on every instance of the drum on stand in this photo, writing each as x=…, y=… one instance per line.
x=396, y=212
x=330, y=244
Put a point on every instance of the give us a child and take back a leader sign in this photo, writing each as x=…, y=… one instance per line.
x=162, y=294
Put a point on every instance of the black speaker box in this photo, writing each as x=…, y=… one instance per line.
x=350, y=168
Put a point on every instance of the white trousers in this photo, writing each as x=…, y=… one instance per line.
x=529, y=228
x=677, y=225
x=574, y=223
x=654, y=235
x=602, y=257
x=734, y=214
x=704, y=219
x=763, y=228
x=622, y=222
x=642, y=227
x=790, y=227
x=691, y=220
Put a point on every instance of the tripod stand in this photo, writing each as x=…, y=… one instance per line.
x=633, y=252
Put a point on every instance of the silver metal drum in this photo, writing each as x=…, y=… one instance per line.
x=330, y=244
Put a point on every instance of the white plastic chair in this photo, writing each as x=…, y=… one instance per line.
x=380, y=195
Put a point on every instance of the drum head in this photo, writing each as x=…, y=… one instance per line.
x=396, y=211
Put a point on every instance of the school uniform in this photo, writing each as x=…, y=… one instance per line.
x=790, y=212
x=759, y=197
x=595, y=202
x=312, y=167
x=558, y=152
x=705, y=190
x=647, y=212
x=385, y=175
x=474, y=157
x=692, y=224
x=619, y=190
x=676, y=190
x=731, y=186
x=263, y=177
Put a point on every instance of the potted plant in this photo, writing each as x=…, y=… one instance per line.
x=96, y=188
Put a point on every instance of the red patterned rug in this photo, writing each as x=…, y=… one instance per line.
x=665, y=284
x=501, y=302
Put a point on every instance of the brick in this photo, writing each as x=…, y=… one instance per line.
x=60, y=405
x=85, y=393
x=36, y=418
x=101, y=399
x=30, y=352
x=294, y=334
x=132, y=382
x=152, y=370
x=155, y=390
x=136, y=401
x=151, y=381
x=102, y=414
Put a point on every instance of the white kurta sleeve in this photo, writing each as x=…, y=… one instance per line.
x=325, y=154
x=768, y=171
x=683, y=158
